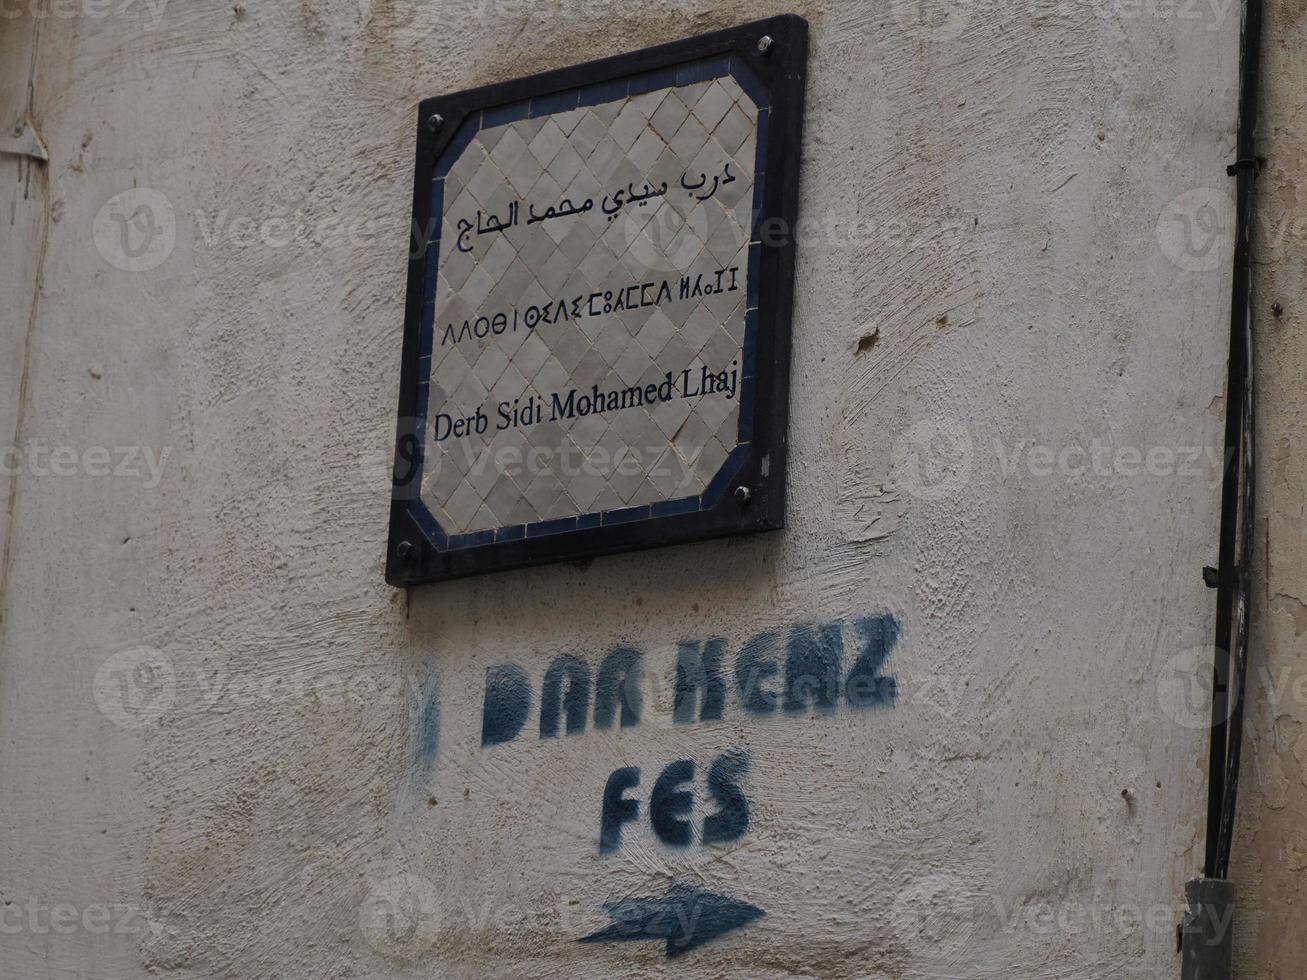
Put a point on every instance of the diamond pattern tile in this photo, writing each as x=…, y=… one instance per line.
x=587, y=345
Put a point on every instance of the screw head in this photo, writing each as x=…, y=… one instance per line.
x=765, y=44
x=743, y=495
x=406, y=551
x=435, y=121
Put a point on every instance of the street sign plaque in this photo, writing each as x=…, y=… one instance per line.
x=597, y=330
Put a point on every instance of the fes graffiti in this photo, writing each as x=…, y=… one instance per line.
x=672, y=800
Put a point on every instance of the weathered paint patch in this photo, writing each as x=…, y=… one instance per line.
x=429, y=729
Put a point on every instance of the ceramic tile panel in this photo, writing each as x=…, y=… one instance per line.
x=589, y=321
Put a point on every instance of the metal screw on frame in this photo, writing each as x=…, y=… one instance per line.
x=405, y=551
x=743, y=495
x=435, y=121
x=765, y=44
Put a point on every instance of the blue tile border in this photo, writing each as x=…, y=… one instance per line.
x=652, y=81
x=750, y=366
x=547, y=105
x=439, y=539
x=604, y=92
x=764, y=142
x=702, y=71
x=462, y=140
x=627, y=515
x=475, y=539
x=674, y=508
x=544, y=529
x=504, y=114
x=750, y=82
x=715, y=490
x=755, y=268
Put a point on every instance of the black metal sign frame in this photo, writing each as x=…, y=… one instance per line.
x=748, y=494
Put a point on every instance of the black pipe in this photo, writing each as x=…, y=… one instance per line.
x=1238, y=514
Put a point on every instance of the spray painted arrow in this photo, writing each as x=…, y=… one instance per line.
x=686, y=919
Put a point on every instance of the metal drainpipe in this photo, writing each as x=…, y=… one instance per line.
x=1206, y=937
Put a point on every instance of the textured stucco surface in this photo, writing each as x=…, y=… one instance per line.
x=314, y=736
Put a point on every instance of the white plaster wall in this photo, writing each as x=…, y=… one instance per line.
x=308, y=734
